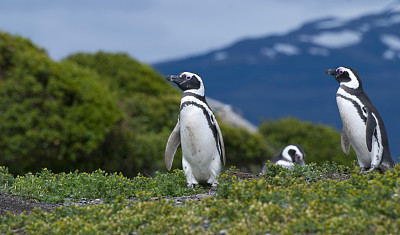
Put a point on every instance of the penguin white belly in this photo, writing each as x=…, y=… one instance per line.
x=355, y=129
x=201, y=160
x=285, y=164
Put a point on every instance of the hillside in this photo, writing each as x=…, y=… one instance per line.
x=278, y=76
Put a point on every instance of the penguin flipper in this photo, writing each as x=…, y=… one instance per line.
x=370, y=129
x=173, y=142
x=221, y=141
x=345, y=143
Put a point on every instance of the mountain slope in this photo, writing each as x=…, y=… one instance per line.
x=283, y=75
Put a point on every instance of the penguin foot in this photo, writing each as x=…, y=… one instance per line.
x=365, y=170
x=190, y=185
x=213, y=189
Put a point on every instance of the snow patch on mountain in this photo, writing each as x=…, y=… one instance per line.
x=391, y=41
x=364, y=27
x=269, y=52
x=220, y=56
x=393, y=44
x=331, y=23
x=386, y=22
x=318, y=51
x=334, y=39
x=287, y=49
x=280, y=48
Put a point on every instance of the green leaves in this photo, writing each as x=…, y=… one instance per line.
x=303, y=200
x=55, y=188
x=321, y=143
x=52, y=114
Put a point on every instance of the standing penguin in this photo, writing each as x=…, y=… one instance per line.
x=290, y=155
x=198, y=132
x=363, y=127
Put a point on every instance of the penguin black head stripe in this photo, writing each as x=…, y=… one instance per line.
x=297, y=155
x=187, y=81
x=346, y=76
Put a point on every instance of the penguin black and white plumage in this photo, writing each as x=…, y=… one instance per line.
x=290, y=155
x=363, y=127
x=198, y=133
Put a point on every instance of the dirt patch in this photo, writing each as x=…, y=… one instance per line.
x=17, y=205
x=243, y=175
x=338, y=176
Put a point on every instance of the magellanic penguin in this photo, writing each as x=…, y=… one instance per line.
x=198, y=133
x=290, y=155
x=363, y=127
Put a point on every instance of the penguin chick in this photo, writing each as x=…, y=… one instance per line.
x=363, y=127
x=290, y=155
x=198, y=133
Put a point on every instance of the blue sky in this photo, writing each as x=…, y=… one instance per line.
x=157, y=30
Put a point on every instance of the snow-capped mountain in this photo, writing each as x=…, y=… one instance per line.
x=283, y=75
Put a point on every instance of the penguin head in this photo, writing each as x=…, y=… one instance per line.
x=346, y=76
x=294, y=153
x=188, y=81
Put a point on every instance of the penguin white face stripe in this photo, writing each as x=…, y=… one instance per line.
x=353, y=83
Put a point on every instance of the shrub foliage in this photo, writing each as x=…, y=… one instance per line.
x=305, y=200
x=52, y=114
x=321, y=143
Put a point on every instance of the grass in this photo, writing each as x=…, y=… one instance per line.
x=55, y=188
x=313, y=199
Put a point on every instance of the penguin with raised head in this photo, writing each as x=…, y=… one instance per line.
x=363, y=127
x=290, y=155
x=198, y=133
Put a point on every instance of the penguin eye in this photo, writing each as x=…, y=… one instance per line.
x=188, y=78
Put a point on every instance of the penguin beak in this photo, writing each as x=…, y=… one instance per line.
x=300, y=160
x=172, y=78
x=332, y=72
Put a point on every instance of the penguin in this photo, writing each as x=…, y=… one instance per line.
x=198, y=132
x=363, y=127
x=290, y=155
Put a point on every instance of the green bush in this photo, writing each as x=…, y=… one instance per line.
x=245, y=150
x=321, y=143
x=150, y=106
x=52, y=114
